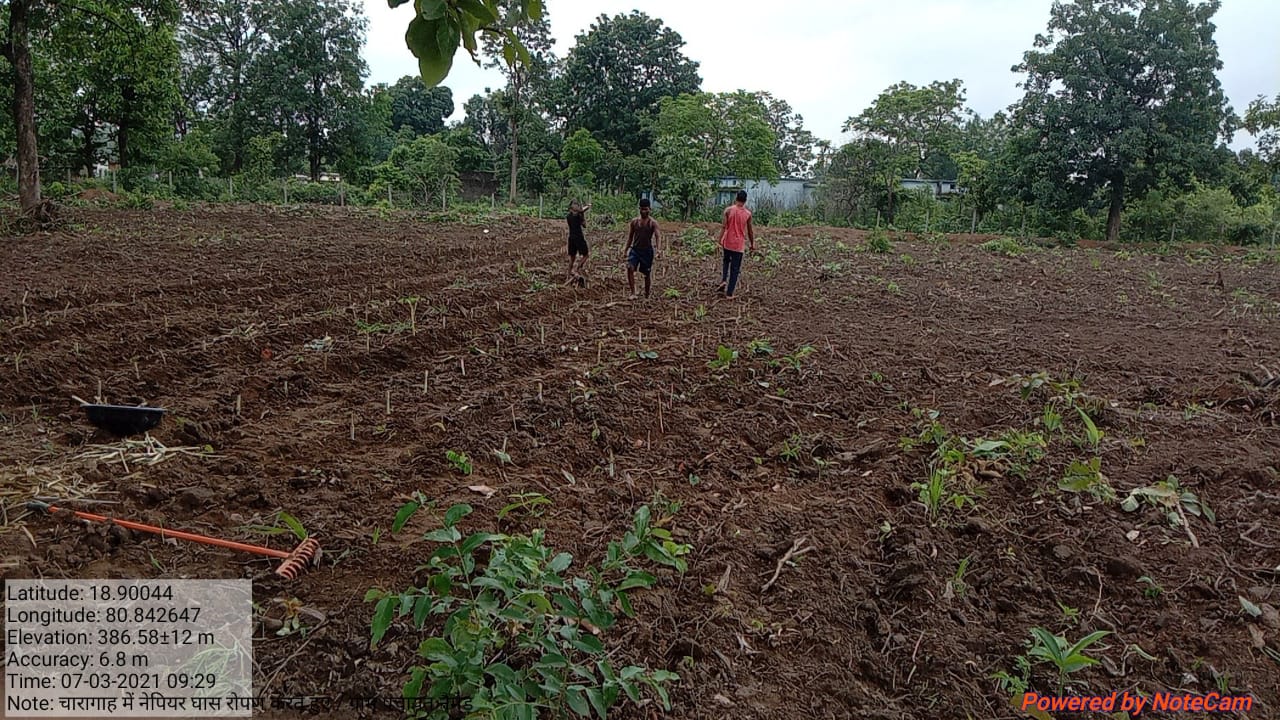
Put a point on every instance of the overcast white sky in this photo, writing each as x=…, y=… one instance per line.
x=831, y=58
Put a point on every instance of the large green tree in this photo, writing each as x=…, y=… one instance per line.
x=416, y=106
x=920, y=122
x=700, y=137
x=616, y=75
x=1262, y=120
x=1118, y=94
x=793, y=149
x=863, y=176
x=311, y=72
x=224, y=43
x=523, y=76
x=979, y=154
x=28, y=22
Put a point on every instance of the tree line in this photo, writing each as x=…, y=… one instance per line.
x=1122, y=122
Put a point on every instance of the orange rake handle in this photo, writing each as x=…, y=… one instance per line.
x=293, y=560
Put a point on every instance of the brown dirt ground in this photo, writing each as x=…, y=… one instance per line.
x=176, y=308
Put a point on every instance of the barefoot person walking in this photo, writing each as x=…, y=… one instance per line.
x=734, y=236
x=642, y=246
x=577, y=220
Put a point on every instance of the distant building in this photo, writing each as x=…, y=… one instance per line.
x=787, y=193
x=940, y=188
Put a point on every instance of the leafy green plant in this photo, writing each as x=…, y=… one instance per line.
x=1051, y=419
x=1152, y=590
x=1087, y=477
x=1169, y=495
x=878, y=242
x=284, y=523
x=1070, y=615
x=1092, y=434
x=956, y=585
x=379, y=328
x=1058, y=390
x=759, y=347
x=459, y=461
x=412, y=302
x=1007, y=246
x=935, y=493
x=1022, y=450
x=1065, y=656
x=1015, y=685
x=700, y=312
x=792, y=447
x=697, y=242
x=772, y=257
x=671, y=293
x=520, y=638
x=531, y=504
x=796, y=359
x=831, y=270
x=724, y=358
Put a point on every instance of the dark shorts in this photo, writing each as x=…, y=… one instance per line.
x=578, y=246
x=641, y=258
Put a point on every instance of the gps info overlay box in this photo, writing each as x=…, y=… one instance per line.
x=132, y=648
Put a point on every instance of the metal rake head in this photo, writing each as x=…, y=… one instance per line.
x=307, y=552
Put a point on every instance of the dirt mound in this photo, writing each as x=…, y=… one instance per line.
x=97, y=195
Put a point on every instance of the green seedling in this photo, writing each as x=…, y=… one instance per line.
x=1152, y=591
x=459, y=461
x=724, y=358
x=412, y=302
x=530, y=504
x=1065, y=656
x=1169, y=496
x=1087, y=477
x=1093, y=435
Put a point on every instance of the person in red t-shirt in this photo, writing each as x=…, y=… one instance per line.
x=734, y=236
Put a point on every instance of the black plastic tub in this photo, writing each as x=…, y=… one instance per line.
x=123, y=420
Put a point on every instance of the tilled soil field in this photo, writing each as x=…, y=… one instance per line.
x=828, y=576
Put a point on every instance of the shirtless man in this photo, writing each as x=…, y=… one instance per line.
x=642, y=247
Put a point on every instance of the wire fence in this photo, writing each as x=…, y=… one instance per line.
x=914, y=211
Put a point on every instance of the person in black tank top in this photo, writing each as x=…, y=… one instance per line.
x=577, y=220
x=642, y=246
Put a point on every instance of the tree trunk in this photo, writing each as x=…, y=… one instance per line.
x=24, y=106
x=515, y=162
x=1117, y=206
x=127, y=96
x=514, y=125
x=314, y=148
x=89, y=153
